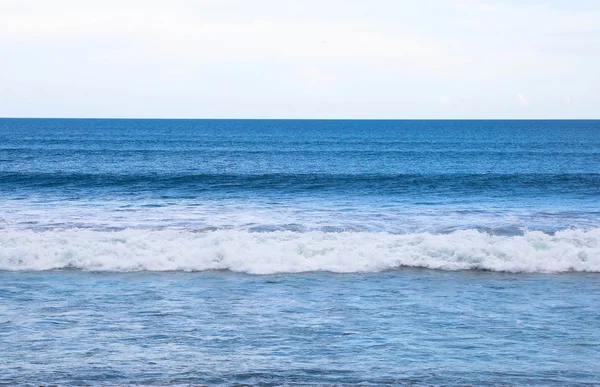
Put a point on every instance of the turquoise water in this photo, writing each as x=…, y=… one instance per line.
x=178, y=252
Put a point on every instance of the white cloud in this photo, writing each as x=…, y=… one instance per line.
x=387, y=60
x=523, y=101
x=314, y=74
x=478, y=6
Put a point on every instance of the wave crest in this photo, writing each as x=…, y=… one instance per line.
x=294, y=252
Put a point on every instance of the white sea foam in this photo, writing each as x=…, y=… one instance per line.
x=293, y=252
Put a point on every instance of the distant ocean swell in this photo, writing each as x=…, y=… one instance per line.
x=295, y=252
x=537, y=183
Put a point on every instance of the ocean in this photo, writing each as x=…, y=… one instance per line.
x=299, y=252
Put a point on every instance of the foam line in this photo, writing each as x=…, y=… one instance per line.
x=294, y=252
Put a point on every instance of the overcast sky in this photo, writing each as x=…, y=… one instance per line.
x=300, y=58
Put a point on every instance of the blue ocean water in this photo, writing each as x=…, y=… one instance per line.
x=298, y=252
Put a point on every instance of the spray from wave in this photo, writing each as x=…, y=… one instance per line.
x=294, y=252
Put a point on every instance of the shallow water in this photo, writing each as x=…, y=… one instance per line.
x=406, y=327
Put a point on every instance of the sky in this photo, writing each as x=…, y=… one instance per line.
x=300, y=58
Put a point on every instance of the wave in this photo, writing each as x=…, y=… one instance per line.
x=450, y=183
x=295, y=252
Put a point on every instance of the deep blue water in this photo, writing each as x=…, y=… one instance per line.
x=177, y=252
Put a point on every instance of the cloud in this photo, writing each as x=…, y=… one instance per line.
x=177, y=32
x=314, y=74
x=475, y=6
x=523, y=101
x=389, y=60
x=533, y=17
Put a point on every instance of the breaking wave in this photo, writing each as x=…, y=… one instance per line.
x=294, y=252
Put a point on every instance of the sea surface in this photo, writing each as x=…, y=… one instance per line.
x=299, y=252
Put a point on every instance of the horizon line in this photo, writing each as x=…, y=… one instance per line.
x=299, y=119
